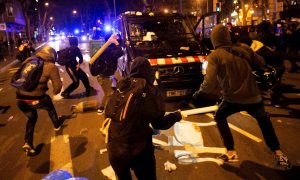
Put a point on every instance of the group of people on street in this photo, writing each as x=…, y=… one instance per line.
x=239, y=93
x=274, y=49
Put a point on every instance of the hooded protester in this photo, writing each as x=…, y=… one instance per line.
x=106, y=67
x=130, y=139
x=30, y=102
x=230, y=67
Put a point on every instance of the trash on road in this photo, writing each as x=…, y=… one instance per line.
x=84, y=131
x=10, y=118
x=170, y=166
x=103, y=150
x=85, y=106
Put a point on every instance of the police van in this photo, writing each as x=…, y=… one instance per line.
x=170, y=44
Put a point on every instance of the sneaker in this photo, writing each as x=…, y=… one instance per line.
x=28, y=149
x=61, y=121
x=282, y=162
x=229, y=158
x=100, y=111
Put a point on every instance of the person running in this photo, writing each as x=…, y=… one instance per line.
x=75, y=72
x=30, y=102
x=229, y=67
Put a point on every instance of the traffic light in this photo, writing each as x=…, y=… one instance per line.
x=218, y=6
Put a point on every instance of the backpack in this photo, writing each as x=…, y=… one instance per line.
x=65, y=56
x=124, y=109
x=28, y=75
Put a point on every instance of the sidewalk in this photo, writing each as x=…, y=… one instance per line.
x=11, y=61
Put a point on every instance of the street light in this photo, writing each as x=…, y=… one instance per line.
x=74, y=12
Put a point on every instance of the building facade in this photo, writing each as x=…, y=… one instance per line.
x=12, y=22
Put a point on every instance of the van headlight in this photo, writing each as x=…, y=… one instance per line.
x=204, y=66
x=156, y=74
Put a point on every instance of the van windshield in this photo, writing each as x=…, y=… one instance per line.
x=156, y=37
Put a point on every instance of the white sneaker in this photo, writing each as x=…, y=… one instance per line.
x=100, y=112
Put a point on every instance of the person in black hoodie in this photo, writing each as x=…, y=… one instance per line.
x=106, y=67
x=75, y=72
x=130, y=145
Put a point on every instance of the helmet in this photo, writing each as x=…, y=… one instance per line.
x=266, y=78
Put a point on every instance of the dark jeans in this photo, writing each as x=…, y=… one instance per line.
x=29, y=108
x=276, y=91
x=255, y=110
x=76, y=76
x=143, y=165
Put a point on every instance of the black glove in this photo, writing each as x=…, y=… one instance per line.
x=177, y=115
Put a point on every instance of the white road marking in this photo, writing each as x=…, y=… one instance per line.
x=60, y=154
x=109, y=173
x=245, y=133
x=239, y=130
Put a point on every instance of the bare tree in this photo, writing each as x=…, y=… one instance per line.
x=25, y=6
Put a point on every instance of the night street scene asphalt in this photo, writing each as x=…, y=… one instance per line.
x=175, y=37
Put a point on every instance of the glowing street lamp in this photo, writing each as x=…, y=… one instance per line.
x=74, y=12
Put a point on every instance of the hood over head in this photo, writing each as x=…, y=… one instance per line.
x=220, y=36
x=47, y=53
x=73, y=41
x=141, y=68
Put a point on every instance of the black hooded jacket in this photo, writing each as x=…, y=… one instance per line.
x=152, y=112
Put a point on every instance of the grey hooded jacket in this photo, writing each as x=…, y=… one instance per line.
x=230, y=72
x=50, y=72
